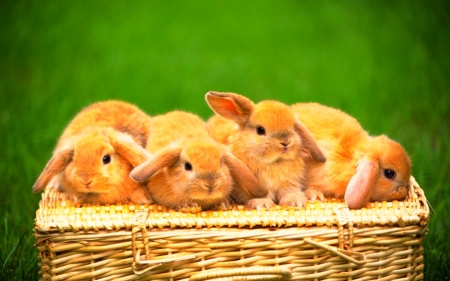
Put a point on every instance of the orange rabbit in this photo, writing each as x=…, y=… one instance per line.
x=269, y=139
x=189, y=171
x=359, y=167
x=95, y=154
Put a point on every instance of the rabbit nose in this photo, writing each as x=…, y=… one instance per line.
x=285, y=143
x=210, y=183
x=210, y=186
x=85, y=182
x=284, y=138
x=85, y=179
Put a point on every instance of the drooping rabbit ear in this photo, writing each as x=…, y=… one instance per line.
x=361, y=186
x=251, y=186
x=309, y=143
x=230, y=106
x=57, y=164
x=165, y=158
x=126, y=147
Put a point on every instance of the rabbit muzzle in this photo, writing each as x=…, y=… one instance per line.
x=86, y=180
x=210, y=182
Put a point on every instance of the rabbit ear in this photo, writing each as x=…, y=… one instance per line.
x=244, y=177
x=165, y=158
x=361, y=186
x=309, y=143
x=55, y=165
x=126, y=147
x=230, y=106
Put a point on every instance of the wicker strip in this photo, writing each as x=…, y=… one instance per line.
x=323, y=241
x=258, y=273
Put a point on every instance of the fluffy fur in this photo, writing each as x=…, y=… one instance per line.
x=269, y=139
x=358, y=166
x=95, y=154
x=189, y=170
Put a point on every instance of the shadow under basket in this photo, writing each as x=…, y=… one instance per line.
x=323, y=241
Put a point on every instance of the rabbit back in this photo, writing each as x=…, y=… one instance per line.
x=175, y=126
x=119, y=115
x=358, y=166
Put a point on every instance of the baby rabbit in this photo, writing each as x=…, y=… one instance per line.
x=269, y=139
x=359, y=168
x=95, y=154
x=189, y=170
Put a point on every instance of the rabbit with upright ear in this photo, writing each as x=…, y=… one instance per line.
x=189, y=170
x=269, y=139
x=359, y=167
x=95, y=154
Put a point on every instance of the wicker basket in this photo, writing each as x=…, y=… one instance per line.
x=324, y=241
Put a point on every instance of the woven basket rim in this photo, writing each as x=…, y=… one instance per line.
x=56, y=214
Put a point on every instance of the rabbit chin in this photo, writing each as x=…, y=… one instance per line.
x=89, y=198
x=208, y=203
x=206, y=196
x=92, y=189
x=279, y=155
x=100, y=195
x=396, y=193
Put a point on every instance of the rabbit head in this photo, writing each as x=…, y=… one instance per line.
x=269, y=130
x=93, y=167
x=195, y=172
x=383, y=173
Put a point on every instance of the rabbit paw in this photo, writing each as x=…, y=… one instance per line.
x=225, y=206
x=294, y=200
x=190, y=208
x=314, y=194
x=260, y=203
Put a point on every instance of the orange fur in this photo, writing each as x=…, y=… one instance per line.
x=274, y=154
x=122, y=116
x=178, y=139
x=113, y=129
x=345, y=144
x=221, y=128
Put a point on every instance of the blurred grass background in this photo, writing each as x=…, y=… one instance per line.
x=384, y=62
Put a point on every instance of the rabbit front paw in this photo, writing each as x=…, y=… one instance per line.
x=190, y=208
x=294, y=200
x=260, y=203
x=314, y=194
x=225, y=206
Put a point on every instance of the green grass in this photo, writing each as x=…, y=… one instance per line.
x=385, y=62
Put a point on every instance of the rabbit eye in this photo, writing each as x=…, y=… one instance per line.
x=106, y=159
x=260, y=130
x=188, y=166
x=390, y=174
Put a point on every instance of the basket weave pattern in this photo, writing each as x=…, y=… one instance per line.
x=323, y=241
